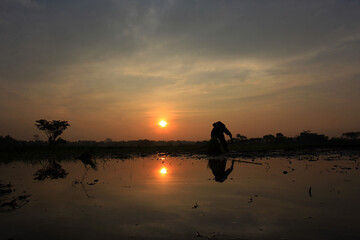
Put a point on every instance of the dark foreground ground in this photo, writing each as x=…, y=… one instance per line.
x=59, y=152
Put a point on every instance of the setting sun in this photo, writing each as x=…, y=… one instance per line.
x=162, y=123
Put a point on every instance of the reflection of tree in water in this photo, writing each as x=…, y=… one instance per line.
x=52, y=170
x=218, y=167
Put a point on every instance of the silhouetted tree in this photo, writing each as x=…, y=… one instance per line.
x=7, y=141
x=351, y=135
x=241, y=137
x=144, y=143
x=269, y=138
x=309, y=137
x=53, y=129
x=279, y=135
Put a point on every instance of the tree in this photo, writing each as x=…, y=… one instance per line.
x=8, y=141
x=280, y=138
x=279, y=135
x=309, y=137
x=53, y=129
x=269, y=138
x=351, y=135
x=241, y=137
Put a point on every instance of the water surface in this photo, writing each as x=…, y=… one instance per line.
x=194, y=198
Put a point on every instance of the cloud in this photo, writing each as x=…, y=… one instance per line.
x=42, y=40
x=31, y=4
x=256, y=29
x=87, y=59
x=59, y=34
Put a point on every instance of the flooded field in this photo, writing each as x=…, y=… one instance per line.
x=182, y=197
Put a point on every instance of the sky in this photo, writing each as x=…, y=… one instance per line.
x=114, y=69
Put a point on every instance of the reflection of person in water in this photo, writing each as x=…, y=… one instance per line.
x=218, y=166
x=217, y=133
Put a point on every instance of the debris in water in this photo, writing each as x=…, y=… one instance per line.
x=93, y=182
x=75, y=182
x=241, y=161
x=5, y=189
x=16, y=203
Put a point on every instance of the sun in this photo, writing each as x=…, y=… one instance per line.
x=163, y=171
x=162, y=123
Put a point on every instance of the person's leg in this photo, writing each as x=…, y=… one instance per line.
x=224, y=143
x=214, y=146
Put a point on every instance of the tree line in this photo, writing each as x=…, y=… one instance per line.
x=303, y=137
x=54, y=128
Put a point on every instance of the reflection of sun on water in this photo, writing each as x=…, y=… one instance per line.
x=163, y=171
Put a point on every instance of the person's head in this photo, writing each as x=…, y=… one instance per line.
x=218, y=124
x=220, y=178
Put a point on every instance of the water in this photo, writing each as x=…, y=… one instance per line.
x=268, y=198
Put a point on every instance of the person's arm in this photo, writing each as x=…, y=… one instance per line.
x=227, y=132
x=229, y=170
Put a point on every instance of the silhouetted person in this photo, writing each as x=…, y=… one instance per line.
x=218, y=166
x=217, y=133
